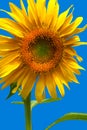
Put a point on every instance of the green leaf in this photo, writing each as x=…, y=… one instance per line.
x=12, y=86
x=17, y=102
x=69, y=116
x=33, y=103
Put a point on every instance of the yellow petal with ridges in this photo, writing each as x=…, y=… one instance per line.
x=20, y=79
x=52, y=12
x=70, y=51
x=75, y=65
x=8, y=43
x=6, y=84
x=79, y=58
x=79, y=30
x=5, y=52
x=55, y=16
x=71, y=27
x=76, y=31
x=68, y=72
x=51, y=86
x=62, y=18
x=59, y=84
x=76, y=71
x=8, y=46
x=8, y=40
x=80, y=43
x=41, y=9
x=18, y=15
x=40, y=86
x=67, y=22
x=9, y=58
x=62, y=77
x=7, y=69
x=32, y=13
x=23, y=7
x=64, y=71
x=27, y=85
x=71, y=62
x=12, y=77
x=72, y=41
x=11, y=27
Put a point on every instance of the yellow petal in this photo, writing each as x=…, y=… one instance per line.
x=18, y=15
x=55, y=16
x=76, y=71
x=79, y=58
x=20, y=79
x=28, y=84
x=75, y=65
x=62, y=77
x=12, y=77
x=80, y=43
x=62, y=18
x=51, y=86
x=8, y=46
x=6, y=84
x=11, y=26
x=8, y=43
x=52, y=13
x=40, y=86
x=71, y=27
x=69, y=73
x=59, y=84
x=10, y=40
x=5, y=52
x=67, y=22
x=8, y=58
x=79, y=30
x=41, y=9
x=32, y=13
x=27, y=77
x=70, y=51
x=23, y=7
x=4, y=38
x=7, y=69
x=71, y=63
x=67, y=68
x=72, y=41
x=76, y=31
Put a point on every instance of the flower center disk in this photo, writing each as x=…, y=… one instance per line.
x=42, y=50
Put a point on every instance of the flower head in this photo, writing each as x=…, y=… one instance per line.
x=41, y=46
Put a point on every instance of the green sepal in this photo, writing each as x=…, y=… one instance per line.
x=12, y=86
x=69, y=116
x=35, y=102
x=49, y=100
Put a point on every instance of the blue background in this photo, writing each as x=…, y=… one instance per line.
x=75, y=100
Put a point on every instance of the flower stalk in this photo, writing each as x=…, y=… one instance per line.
x=27, y=106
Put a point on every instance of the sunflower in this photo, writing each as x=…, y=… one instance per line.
x=41, y=48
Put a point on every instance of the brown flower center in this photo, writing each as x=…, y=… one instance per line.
x=42, y=50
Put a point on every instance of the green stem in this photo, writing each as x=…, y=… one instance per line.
x=27, y=105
